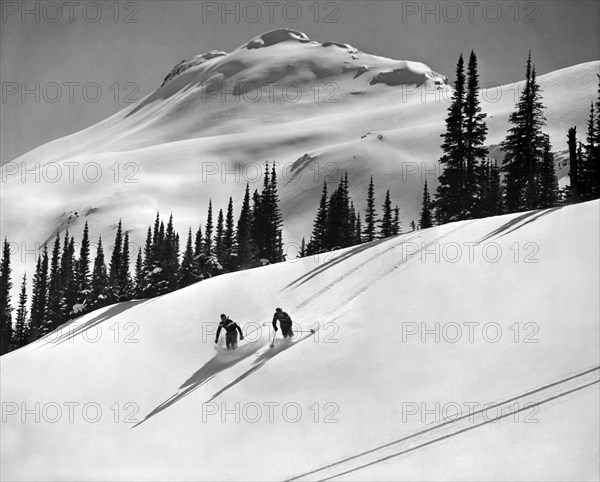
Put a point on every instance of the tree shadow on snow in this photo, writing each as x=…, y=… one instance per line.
x=338, y=259
x=74, y=328
x=518, y=223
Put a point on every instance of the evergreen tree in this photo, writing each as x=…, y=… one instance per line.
x=548, y=185
x=275, y=221
x=116, y=265
x=169, y=261
x=267, y=220
x=340, y=219
x=219, y=242
x=67, y=277
x=584, y=162
x=351, y=226
x=83, y=267
x=386, y=224
x=574, y=174
x=452, y=198
x=148, y=250
x=302, y=252
x=21, y=334
x=425, y=221
x=39, y=301
x=583, y=173
x=319, y=234
x=348, y=213
x=496, y=197
x=475, y=131
x=245, y=245
x=491, y=189
x=161, y=263
x=155, y=241
x=198, y=243
x=54, y=291
x=257, y=222
x=358, y=230
x=280, y=255
x=143, y=286
x=396, y=229
x=188, y=273
x=207, y=262
x=6, y=328
x=208, y=232
x=139, y=275
x=125, y=282
x=335, y=215
x=370, y=215
x=591, y=173
x=524, y=147
x=160, y=246
x=229, y=251
x=260, y=216
x=100, y=280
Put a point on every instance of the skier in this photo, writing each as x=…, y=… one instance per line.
x=231, y=332
x=284, y=321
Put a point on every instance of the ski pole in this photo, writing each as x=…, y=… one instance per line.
x=255, y=329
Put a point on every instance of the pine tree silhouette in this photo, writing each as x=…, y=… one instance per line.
x=370, y=214
x=6, y=328
x=524, y=146
x=21, y=334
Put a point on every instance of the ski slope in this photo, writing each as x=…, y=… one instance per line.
x=529, y=293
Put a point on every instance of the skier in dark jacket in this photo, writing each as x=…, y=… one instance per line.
x=284, y=321
x=231, y=332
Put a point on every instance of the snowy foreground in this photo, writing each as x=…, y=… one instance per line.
x=371, y=374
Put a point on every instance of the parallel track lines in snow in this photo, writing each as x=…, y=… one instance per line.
x=451, y=428
x=400, y=242
x=348, y=273
x=395, y=266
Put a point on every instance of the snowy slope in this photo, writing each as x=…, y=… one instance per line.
x=361, y=369
x=193, y=139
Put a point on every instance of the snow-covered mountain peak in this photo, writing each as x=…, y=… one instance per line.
x=289, y=56
x=274, y=37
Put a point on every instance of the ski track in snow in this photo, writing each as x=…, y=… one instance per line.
x=391, y=269
x=365, y=286
x=453, y=427
x=348, y=273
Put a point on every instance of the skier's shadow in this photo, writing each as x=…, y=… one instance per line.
x=216, y=365
x=257, y=365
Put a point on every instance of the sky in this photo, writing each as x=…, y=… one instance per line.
x=66, y=65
